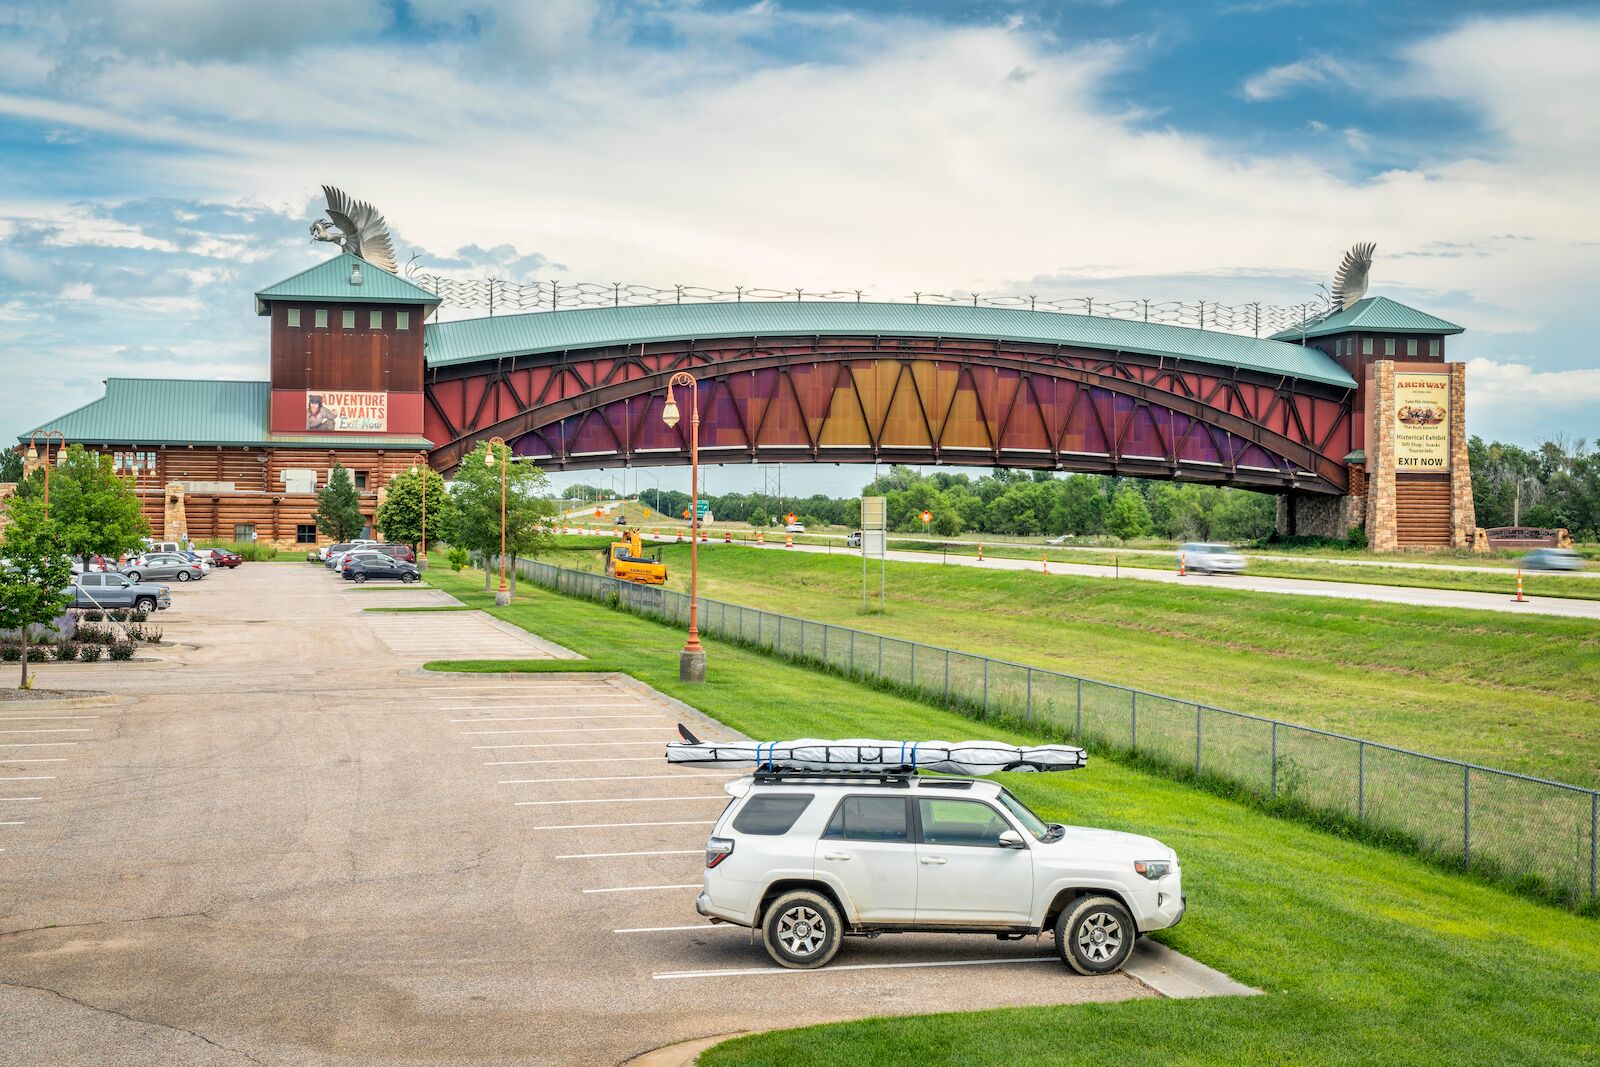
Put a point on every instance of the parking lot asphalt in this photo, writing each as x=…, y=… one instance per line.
x=287, y=844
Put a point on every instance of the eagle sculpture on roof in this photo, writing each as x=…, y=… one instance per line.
x=1350, y=280
x=357, y=227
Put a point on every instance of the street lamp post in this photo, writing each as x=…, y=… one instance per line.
x=692, y=660
x=33, y=454
x=503, y=597
x=421, y=462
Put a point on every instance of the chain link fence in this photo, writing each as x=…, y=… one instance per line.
x=1507, y=825
x=499, y=296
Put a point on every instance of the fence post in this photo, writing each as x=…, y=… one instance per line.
x=852, y=653
x=1466, y=815
x=1199, y=733
x=1027, y=711
x=986, y=687
x=1361, y=781
x=947, y=677
x=759, y=642
x=1135, y=736
x=1594, y=845
x=825, y=628
x=1274, y=760
x=777, y=645
x=1079, y=734
x=880, y=657
x=913, y=664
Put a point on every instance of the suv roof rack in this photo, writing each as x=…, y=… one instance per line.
x=902, y=778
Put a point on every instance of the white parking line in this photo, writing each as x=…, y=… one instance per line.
x=612, y=800
x=35, y=759
x=554, y=718
x=4, y=799
x=668, y=929
x=592, y=759
x=587, y=730
x=17, y=823
x=63, y=730
x=613, y=855
x=32, y=778
x=36, y=744
x=615, y=778
x=623, y=825
x=748, y=971
x=30, y=718
x=571, y=744
x=642, y=888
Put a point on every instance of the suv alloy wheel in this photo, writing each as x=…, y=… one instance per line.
x=145, y=604
x=1094, y=935
x=802, y=930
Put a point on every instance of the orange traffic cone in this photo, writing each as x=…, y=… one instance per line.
x=980, y=552
x=1044, y=562
x=680, y=535
x=1520, y=598
x=1182, y=563
x=702, y=537
x=727, y=537
x=788, y=540
x=760, y=539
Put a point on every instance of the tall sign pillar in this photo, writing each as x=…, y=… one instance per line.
x=1419, y=483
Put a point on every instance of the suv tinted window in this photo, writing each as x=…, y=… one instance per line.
x=91, y=579
x=869, y=819
x=960, y=822
x=772, y=814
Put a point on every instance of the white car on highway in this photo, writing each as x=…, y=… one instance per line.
x=1211, y=558
x=809, y=860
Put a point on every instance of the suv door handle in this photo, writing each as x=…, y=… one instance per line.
x=836, y=855
x=934, y=861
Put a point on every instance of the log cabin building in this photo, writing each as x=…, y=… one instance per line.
x=243, y=460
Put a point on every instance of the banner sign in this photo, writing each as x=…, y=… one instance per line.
x=1421, y=422
x=330, y=412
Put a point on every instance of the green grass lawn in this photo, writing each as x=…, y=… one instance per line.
x=1367, y=956
x=1516, y=692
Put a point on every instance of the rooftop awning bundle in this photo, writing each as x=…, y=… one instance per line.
x=862, y=755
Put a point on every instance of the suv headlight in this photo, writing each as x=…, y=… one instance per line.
x=1155, y=870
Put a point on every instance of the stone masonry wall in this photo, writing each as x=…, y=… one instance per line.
x=1382, y=536
x=1463, y=520
x=1320, y=516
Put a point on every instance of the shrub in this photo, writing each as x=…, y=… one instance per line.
x=38, y=653
x=118, y=615
x=138, y=616
x=93, y=616
x=90, y=653
x=152, y=635
x=458, y=558
x=10, y=653
x=66, y=652
x=122, y=651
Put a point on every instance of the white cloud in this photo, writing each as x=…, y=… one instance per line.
x=1317, y=71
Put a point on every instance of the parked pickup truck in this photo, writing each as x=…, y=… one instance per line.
x=115, y=591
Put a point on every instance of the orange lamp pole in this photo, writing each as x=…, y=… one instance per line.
x=503, y=597
x=692, y=660
x=33, y=453
x=421, y=462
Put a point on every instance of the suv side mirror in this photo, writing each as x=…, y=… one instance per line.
x=1010, y=839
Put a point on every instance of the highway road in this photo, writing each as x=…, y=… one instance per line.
x=1390, y=594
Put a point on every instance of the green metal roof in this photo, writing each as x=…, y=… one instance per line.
x=470, y=340
x=1375, y=314
x=177, y=411
x=330, y=282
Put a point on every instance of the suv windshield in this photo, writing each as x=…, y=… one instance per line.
x=1030, y=822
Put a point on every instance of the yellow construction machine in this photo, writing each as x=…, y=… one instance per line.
x=626, y=560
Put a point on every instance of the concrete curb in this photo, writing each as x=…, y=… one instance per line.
x=1177, y=977
x=682, y=1054
x=96, y=700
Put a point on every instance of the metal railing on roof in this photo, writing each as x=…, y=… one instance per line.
x=1511, y=826
x=506, y=297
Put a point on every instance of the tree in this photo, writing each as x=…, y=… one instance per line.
x=94, y=510
x=758, y=517
x=36, y=571
x=10, y=465
x=400, y=515
x=475, y=493
x=338, y=507
x=1130, y=516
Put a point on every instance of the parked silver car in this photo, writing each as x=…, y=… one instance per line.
x=1210, y=558
x=115, y=591
x=162, y=565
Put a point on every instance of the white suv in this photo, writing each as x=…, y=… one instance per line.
x=809, y=859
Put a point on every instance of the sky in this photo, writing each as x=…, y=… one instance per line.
x=160, y=160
